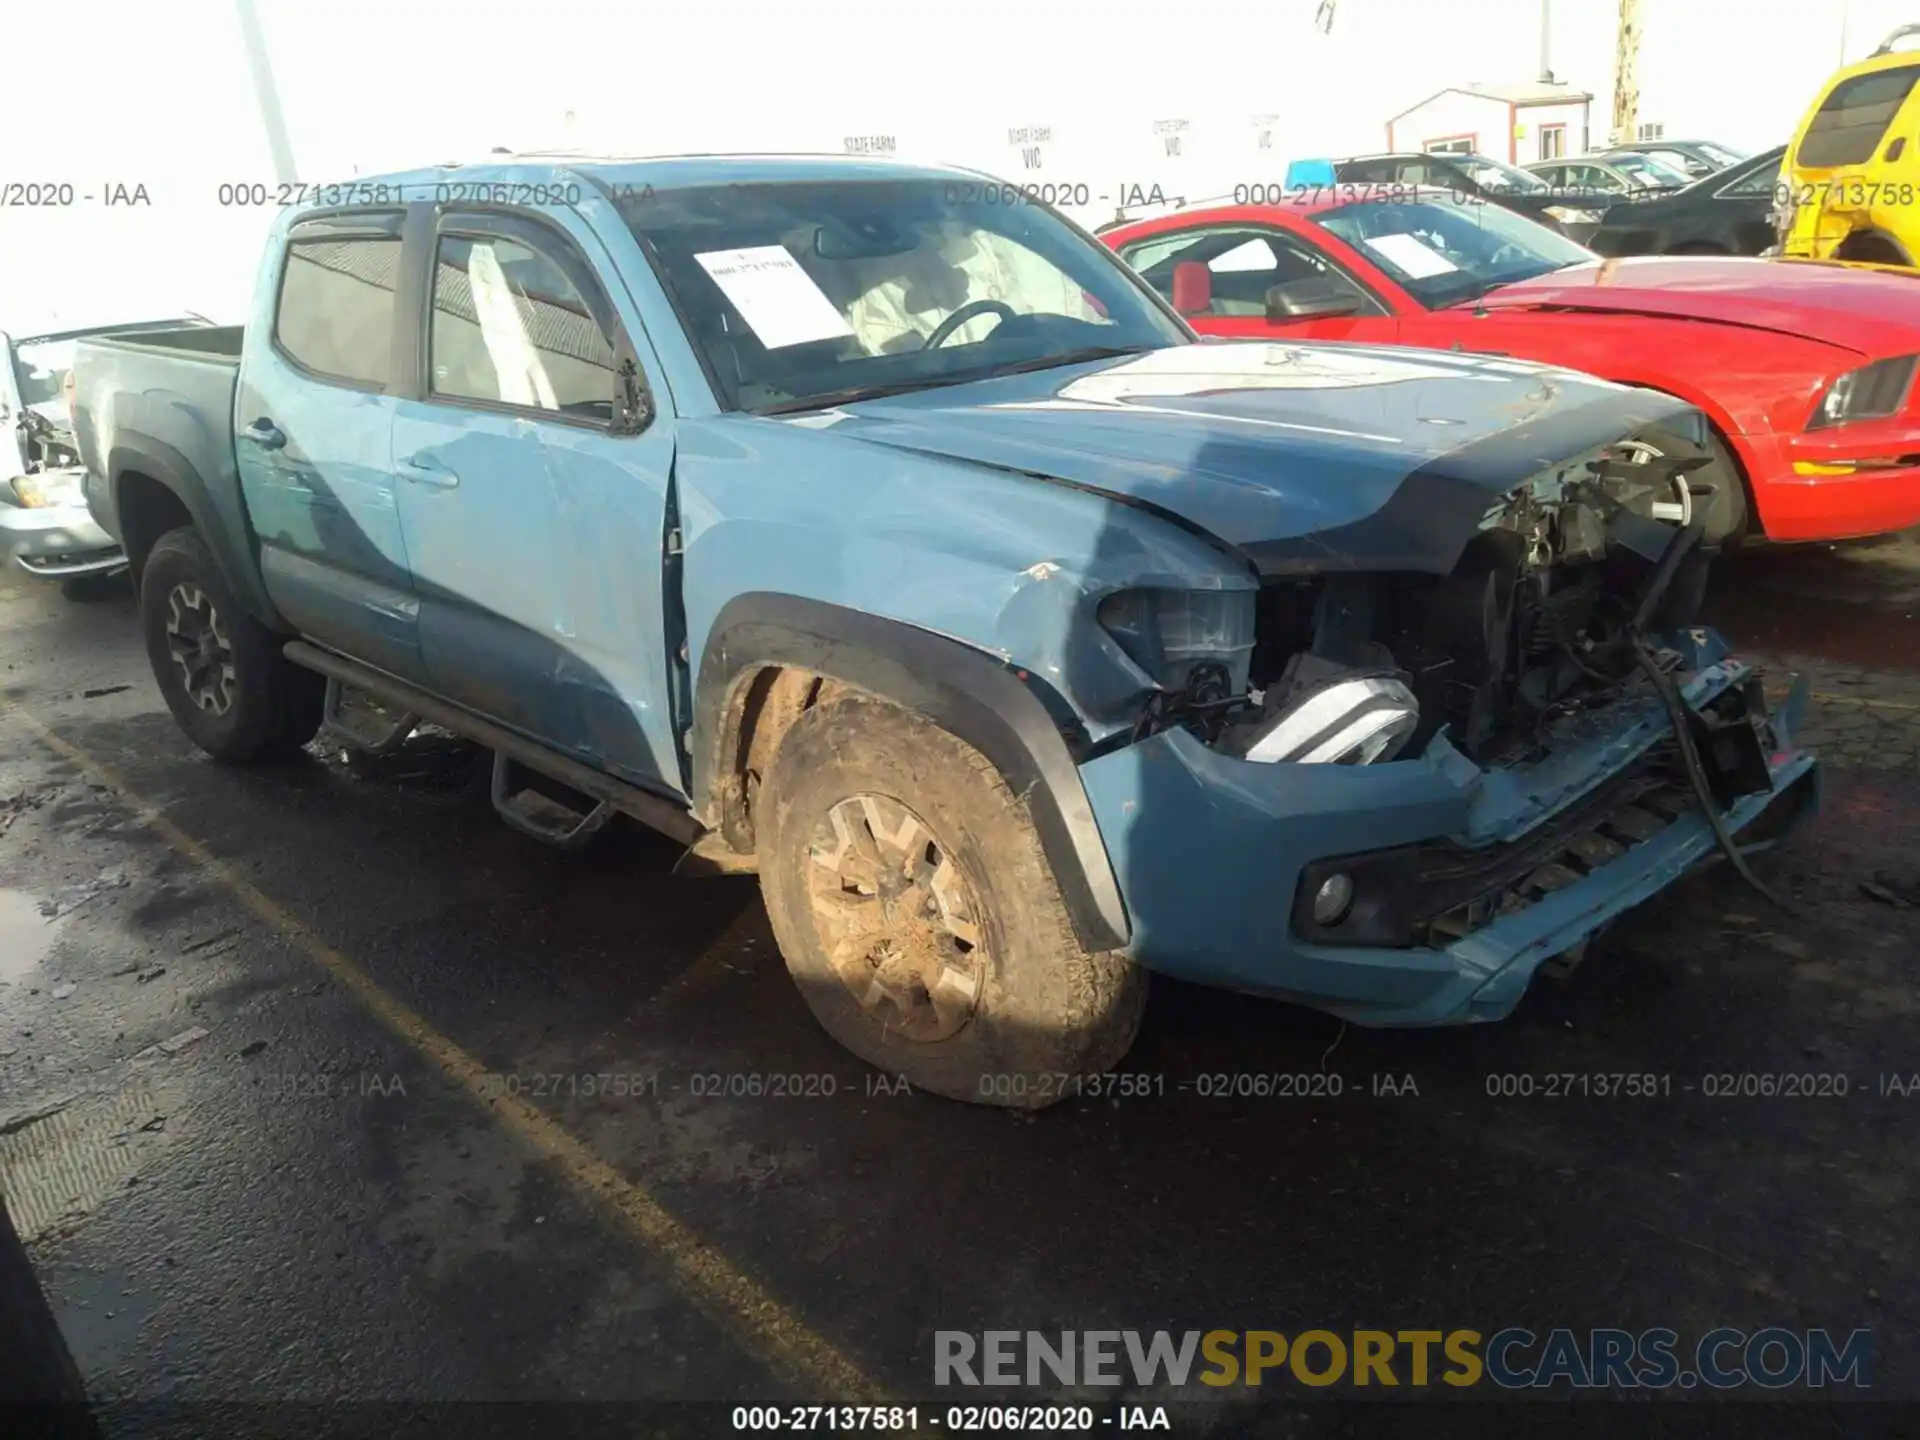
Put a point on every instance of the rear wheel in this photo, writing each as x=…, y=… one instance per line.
x=220, y=670
x=918, y=915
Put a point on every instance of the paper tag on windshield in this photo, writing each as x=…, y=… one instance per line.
x=775, y=296
x=1416, y=259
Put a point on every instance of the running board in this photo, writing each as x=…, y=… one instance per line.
x=649, y=809
x=337, y=717
x=546, y=819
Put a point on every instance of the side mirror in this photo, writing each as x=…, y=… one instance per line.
x=633, y=412
x=1313, y=299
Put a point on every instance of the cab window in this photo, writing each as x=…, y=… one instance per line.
x=334, y=315
x=510, y=328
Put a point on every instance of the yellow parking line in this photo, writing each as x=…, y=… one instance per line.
x=719, y=1289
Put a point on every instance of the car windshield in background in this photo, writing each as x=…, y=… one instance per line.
x=1646, y=172
x=1444, y=253
x=804, y=294
x=1719, y=154
x=1492, y=175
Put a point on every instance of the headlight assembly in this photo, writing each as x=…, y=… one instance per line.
x=1871, y=392
x=1169, y=632
x=30, y=492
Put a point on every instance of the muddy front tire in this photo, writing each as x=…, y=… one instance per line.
x=917, y=913
x=220, y=670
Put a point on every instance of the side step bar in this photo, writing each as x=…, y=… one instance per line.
x=649, y=809
x=541, y=816
x=361, y=731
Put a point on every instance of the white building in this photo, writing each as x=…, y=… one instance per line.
x=1515, y=123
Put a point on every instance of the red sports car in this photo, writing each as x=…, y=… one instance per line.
x=1805, y=368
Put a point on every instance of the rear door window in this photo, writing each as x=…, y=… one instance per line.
x=334, y=318
x=1847, y=128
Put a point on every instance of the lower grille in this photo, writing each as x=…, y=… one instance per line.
x=1571, y=847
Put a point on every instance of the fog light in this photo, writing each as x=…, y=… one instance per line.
x=1332, y=899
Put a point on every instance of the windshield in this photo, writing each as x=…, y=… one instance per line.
x=1719, y=154
x=1680, y=160
x=811, y=293
x=1646, y=172
x=40, y=368
x=1492, y=175
x=1443, y=253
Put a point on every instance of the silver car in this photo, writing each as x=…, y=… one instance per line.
x=45, y=526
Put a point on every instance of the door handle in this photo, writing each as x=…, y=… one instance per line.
x=264, y=433
x=425, y=470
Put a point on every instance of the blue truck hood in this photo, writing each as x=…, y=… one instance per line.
x=1304, y=458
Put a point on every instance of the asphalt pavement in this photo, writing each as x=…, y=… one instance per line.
x=319, y=1085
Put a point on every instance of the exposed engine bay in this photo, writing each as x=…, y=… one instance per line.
x=43, y=445
x=1540, y=618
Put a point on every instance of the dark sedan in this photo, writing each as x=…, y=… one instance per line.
x=1728, y=213
x=1697, y=158
x=1480, y=177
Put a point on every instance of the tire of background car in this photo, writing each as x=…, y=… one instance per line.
x=1870, y=247
x=220, y=670
x=917, y=914
x=86, y=589
x=1729, y=518
x=36, y=1368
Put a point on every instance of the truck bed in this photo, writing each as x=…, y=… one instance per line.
x=213, y=342
x=161, y=405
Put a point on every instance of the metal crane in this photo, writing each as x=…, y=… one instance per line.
x=1626, y=81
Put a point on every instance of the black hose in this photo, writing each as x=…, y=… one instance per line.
x=1669, y=695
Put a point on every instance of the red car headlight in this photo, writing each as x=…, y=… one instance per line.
x=1871, y=392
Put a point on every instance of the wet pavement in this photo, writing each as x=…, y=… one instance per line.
x=323, y=1085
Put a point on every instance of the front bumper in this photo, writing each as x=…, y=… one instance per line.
x=1844, y=481
x=58, y=542
x=1209, y=851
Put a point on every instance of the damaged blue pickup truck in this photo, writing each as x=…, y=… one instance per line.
x=855, y=527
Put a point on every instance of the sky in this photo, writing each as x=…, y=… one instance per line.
x=159, y=96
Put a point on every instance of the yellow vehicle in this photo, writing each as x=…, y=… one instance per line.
x=1850, y=182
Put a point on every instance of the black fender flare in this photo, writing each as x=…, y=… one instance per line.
x=966, y=691
x=144, y=455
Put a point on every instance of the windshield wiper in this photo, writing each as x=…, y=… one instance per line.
x=828, y=399
x=1068, y=357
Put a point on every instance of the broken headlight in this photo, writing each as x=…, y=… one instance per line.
x=1171, y=633
x=1321, y=713
x=46, y=491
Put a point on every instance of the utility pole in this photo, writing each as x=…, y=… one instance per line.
x=266, y=92
x=1626, y=83
x=1546, y=53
